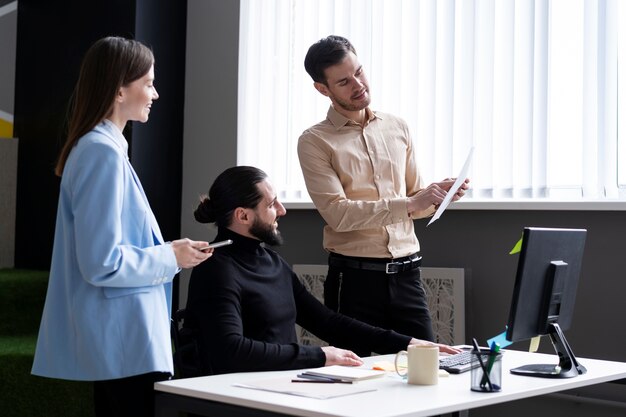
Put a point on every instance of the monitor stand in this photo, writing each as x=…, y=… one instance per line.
x=568, y=366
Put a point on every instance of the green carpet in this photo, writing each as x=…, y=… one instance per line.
x=22, y=296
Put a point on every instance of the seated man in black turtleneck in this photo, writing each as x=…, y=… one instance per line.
x=244, y=302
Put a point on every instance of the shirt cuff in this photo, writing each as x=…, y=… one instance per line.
x=399, y=210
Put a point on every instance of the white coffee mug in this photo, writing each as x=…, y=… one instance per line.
x=422, y=364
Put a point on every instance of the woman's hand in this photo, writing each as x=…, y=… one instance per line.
x=336, y=356
x=442, y=348
x=190, y=253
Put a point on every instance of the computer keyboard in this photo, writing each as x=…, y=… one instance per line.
x=458, y=363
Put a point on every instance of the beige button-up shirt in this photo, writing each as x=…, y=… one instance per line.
x=359, y=179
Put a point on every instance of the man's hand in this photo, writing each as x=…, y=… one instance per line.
x=189, y=254
x=434, y=194
x=336, y=356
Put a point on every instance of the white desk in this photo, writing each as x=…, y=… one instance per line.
x=216, y=395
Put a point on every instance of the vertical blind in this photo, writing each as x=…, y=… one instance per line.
x=533, y=86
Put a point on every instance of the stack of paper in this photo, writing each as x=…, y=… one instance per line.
x=343, y=373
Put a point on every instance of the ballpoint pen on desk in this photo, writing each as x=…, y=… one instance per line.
x=482, y=365
x=493, y=353
x=322, y=379
x=319, y=381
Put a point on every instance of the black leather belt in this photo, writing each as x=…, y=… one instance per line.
x=388, y=266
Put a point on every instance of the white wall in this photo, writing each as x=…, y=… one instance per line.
x=8, y=147
x=8, y=34
x=210, y=136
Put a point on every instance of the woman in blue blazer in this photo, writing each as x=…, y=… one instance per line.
x=107, y=310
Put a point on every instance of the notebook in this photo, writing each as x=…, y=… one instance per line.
x=344, y=373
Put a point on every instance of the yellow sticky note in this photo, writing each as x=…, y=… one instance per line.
x=534, y=344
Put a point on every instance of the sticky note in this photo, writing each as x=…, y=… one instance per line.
x=534, y=344
x=518, y=246
x=387, y=366
x=500, y=339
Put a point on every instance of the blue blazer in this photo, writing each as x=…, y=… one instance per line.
x=108, y=303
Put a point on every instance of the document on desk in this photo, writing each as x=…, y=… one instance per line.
x=284, y=385
x=455, y=187
x=345, y=373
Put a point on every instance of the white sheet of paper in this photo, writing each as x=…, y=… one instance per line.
x=455, y=187
x=308, y=389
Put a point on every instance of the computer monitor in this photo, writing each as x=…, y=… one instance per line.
x=544, y=294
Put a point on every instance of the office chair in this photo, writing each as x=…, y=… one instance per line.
x=186, y=357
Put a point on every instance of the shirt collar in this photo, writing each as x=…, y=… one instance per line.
x=339, y=120
x=116, y=134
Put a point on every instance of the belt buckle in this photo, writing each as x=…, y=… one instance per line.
x=388, y=264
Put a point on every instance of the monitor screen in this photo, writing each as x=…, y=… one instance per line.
x=544, y=294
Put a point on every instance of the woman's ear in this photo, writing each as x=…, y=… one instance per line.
x=119, y=97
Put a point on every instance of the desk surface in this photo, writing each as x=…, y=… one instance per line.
x=393, y=396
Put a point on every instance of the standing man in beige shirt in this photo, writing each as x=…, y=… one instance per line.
x=361, y=173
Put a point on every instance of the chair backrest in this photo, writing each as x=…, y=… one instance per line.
x=186, y=356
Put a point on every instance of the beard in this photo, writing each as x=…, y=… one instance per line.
x=349, y=106
x=266, y=233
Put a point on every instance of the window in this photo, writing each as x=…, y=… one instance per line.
x=534, y=86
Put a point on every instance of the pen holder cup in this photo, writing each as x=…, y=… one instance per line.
x=486, y=373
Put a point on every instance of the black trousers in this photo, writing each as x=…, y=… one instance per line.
x=390, y=301
x=132, y=396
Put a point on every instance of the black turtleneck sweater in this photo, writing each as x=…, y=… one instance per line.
x=243, y=303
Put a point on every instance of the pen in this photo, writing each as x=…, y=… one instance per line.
x=318, y=381
x=482, y=365
x=493, y=352
x=319, y=378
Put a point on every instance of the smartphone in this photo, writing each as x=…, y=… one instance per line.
x=217, y=244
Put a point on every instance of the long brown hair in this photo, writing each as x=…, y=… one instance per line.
x=108, y=65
